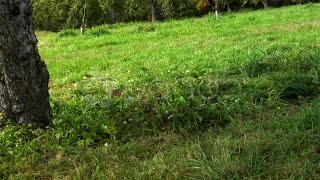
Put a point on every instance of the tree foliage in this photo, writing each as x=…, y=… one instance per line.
x=55, y=15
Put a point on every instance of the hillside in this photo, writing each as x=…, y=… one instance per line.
x=201, y=98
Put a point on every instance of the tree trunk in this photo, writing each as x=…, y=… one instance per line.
x=154, y=12
x=84, y=17
x=24, y=96
x=265, y=4
x=49, y=23
x=217, y=8
x=113, y=16
x=228, y=7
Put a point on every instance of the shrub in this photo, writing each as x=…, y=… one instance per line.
x=147, y=28
x=68, y=33
x=98, y=31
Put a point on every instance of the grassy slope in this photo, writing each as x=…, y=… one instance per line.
x=255, y=63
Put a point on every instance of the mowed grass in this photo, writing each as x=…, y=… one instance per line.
x=201, y=98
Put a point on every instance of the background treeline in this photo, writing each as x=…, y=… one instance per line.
x=55, y=15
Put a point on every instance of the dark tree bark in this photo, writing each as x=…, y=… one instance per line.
x=24, y=96
x=154, y=11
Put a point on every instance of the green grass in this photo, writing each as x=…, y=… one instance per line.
x=200, y=98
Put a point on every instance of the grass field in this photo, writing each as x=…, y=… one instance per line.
x=201, y=98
